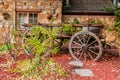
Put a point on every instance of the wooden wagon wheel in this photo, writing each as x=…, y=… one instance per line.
x=85, y=45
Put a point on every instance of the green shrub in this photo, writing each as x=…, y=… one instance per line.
x=42, y=40
x=116, y=12
x=117, y=21
x=38, y=70
x=76, y=21
x=68, y=29
x=4, y=47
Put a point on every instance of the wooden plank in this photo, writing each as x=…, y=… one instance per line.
x=93, y=25
x=63, y=37
x=28, y=10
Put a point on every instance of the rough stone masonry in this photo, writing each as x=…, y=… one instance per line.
x=49, y=11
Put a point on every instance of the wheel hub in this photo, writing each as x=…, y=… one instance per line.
x=84, y=47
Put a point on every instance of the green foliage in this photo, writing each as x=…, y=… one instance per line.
x=38, y=70
x=92, y=21
x=67, y=29
x=54, y=67
x=117, y=14
x=98, y=22
x=117, y=25
x=108, y=9
x=117, y=21
x=41, y=40
x=76, y=21
x=4, y=47
x=26, y=68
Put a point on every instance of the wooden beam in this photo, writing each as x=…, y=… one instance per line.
x=28, y=10
x=89, y=13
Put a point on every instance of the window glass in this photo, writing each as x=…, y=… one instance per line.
x=22, y=19
x=31, y=15
x=35, y=15
x=29, y=18
x=33, y=18
x=35, y=21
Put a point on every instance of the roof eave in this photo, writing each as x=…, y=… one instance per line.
x=88, y=13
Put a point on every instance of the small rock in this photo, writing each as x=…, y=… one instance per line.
x=84, y=72
x=76, y=63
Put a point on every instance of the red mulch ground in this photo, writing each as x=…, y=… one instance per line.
x=108, y=68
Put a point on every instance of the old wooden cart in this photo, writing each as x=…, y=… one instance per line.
x=85, y=44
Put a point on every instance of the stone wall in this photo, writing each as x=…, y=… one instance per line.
x=107, y=21
x=49, y=9
x=6, y=6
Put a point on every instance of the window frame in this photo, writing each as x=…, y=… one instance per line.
x=28, y=19
x=33, y=18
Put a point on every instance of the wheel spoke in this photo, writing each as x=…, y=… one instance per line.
x=77, y=43
x=92, y=51
x=90, y=55
x=92, y=42
x=76, y=47
x=78, y=51
x=79, y=39
x=88, y=39
x=83, y=38
x=81, y=54
x=94, y=47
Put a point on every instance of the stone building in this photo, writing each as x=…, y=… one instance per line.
x=31, y=11
x=55, y=11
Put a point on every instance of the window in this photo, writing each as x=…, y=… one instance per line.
x=33, y=18
x=28, y=18
x=118, y=3
x=22, y=19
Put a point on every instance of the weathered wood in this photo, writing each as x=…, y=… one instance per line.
x=88, y=25
x=28, y=10
x=113, y=52
x=63, y=37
